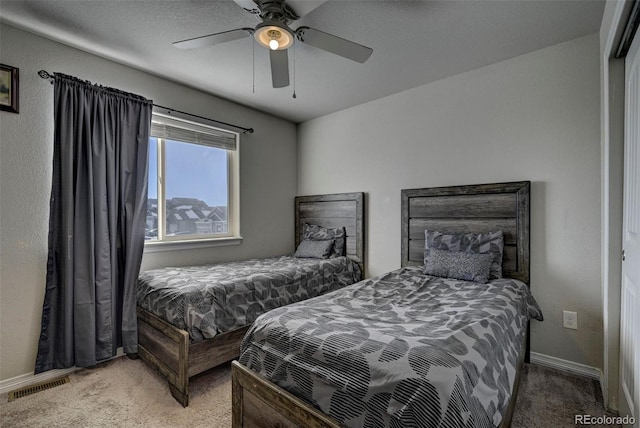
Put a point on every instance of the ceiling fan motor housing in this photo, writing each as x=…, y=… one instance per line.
x=276, y=10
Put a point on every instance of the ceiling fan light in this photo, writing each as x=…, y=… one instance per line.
x=266, y=34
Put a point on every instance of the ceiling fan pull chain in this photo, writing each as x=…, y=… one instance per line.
x=294, y=71
x=253, y=65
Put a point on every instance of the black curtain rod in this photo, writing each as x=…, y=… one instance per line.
x=46, y=75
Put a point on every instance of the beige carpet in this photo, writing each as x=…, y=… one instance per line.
x=126, y=393
x=123, y=393
x=550, y=398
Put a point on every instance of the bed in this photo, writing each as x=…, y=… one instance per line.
x=191, y=319
x=402, y=349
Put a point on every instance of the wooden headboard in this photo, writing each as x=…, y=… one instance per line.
x=335, y=210
x=475, y=208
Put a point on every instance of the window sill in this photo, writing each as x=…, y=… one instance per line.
x=158, y=247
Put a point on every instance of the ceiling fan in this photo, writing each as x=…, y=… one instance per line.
x=273, y=32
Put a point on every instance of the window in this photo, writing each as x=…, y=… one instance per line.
x=193, y=182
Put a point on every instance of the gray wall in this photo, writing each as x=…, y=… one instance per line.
x=535, y=117
x=267, y=179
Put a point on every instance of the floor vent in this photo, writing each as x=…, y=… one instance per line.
x=32, y=389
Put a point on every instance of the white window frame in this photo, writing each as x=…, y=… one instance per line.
x=171, y=243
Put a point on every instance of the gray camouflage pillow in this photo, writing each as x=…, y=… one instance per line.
x=319, y=233
x=459, y=265
x=481, y=243
x=314, y=249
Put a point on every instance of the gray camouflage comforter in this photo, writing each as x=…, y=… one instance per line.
x=400, y=350
x=212, y=299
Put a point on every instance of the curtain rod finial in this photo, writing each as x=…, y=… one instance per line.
x=45, y=75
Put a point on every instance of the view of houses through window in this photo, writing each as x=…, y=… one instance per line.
x=186, y=216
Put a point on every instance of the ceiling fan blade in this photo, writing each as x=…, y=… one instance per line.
x=302, y=7
x=214, y=39
x=334, y=44
x=279, y=68
x=248, y=5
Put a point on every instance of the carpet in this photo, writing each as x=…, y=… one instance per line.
x=551, y=398
x=126, y=393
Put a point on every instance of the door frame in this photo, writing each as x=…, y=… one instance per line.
x=612, y=165
x=631, y=267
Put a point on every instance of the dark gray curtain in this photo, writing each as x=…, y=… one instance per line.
x=96, y=224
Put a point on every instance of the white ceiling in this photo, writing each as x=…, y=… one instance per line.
x=414, y=43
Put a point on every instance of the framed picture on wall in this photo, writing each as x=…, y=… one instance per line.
x=9, y=88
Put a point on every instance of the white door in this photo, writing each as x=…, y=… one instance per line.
x=630, y=290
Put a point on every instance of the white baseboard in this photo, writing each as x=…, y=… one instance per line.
x=28, y=379
x=567, y=366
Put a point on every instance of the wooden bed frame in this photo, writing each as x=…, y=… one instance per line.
x=259, y=403
x=168, y=348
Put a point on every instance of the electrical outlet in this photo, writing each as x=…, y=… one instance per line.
x=570, y=320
